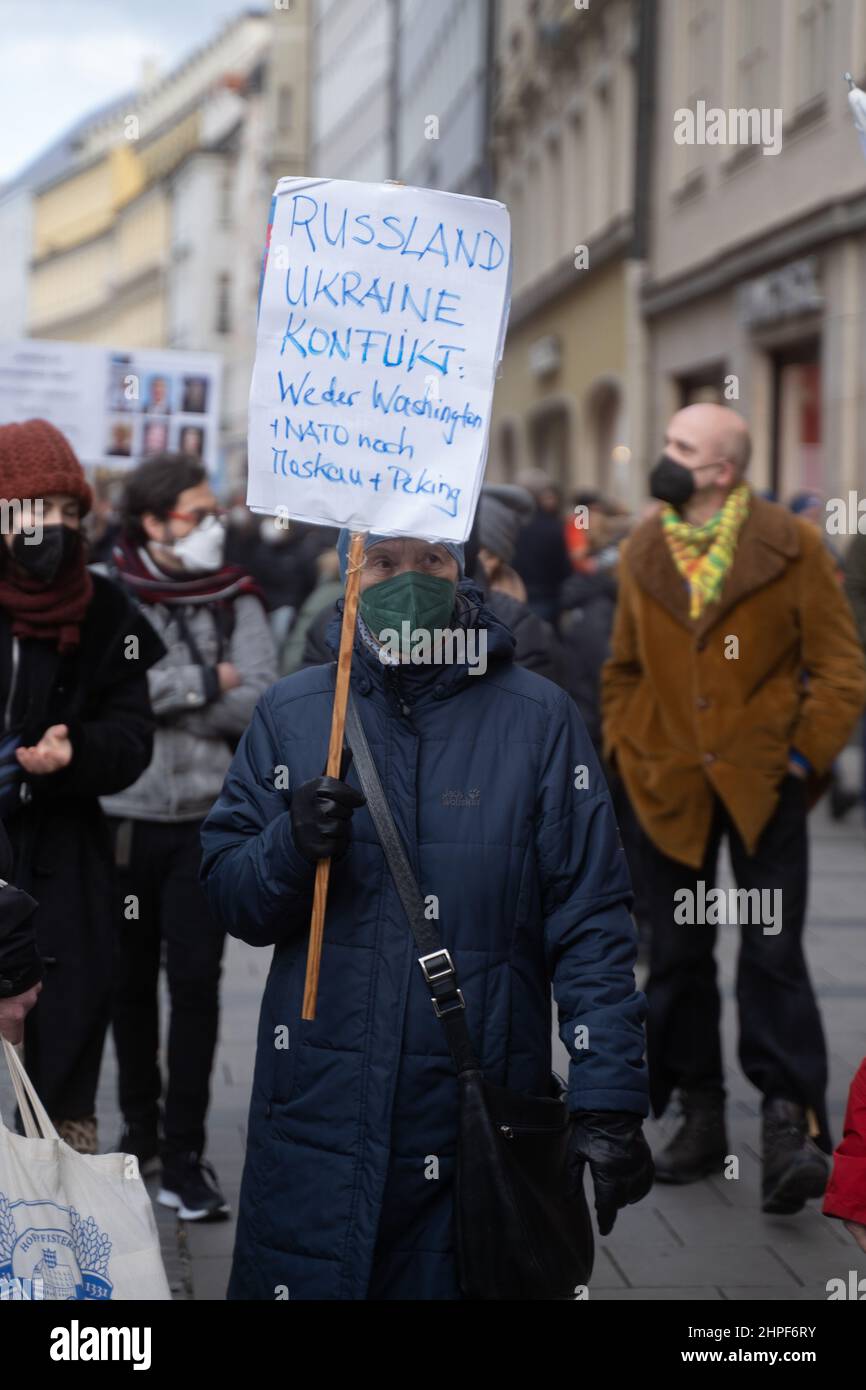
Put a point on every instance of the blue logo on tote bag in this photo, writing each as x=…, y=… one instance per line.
x=69, y=1256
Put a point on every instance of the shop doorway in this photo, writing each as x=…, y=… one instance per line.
x=797, y=445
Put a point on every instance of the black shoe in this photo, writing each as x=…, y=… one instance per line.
x=143, y=1141
x=841, y=802
x=189, y=1185
x=794, y=1168
x=700, y=1145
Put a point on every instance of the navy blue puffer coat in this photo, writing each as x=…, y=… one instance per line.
x=347, y=1186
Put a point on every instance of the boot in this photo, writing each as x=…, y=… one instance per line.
x=794, y=1168
x=700, y=1145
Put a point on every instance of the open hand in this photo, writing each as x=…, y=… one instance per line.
x=50, y=754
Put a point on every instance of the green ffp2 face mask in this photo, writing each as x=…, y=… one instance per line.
x=421, y=600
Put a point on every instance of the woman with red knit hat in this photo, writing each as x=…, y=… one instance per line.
x=76, y=725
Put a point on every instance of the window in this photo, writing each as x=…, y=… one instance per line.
x=223, y=314
x=704, y=384
x=814, y=20
x=702, y=66
x=753, y=55
x=225, y=200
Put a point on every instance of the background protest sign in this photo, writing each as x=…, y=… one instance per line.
x=115, y=406
x=381, y=324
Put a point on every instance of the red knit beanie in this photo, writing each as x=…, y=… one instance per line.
x=35, y=460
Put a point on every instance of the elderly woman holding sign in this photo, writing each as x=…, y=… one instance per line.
x=395, y=1137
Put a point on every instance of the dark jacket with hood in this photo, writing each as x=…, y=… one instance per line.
x=59, y=835
x=519, y=859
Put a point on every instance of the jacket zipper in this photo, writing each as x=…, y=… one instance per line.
x=392, y=675
x=12, y=685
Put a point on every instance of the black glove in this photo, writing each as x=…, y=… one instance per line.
x=321, y=811
x=612, y=1143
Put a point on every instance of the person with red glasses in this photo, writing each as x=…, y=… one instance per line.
x=220, y=658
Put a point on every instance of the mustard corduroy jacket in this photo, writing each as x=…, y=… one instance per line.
x=693, y=707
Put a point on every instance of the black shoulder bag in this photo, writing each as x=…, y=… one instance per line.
x=518, y=1233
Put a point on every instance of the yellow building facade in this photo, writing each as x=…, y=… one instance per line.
x=101, y=245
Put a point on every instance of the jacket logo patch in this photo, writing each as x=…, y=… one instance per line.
x=458, y=798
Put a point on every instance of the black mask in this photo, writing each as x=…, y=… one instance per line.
x=59, y=545
x=671, y=482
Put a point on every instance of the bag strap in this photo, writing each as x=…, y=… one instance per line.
x=34, y=1117
x=435, y=961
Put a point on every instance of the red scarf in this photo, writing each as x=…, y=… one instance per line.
x=53, y=612
x=215, y=587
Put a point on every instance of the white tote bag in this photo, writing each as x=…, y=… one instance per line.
x=72, y=1226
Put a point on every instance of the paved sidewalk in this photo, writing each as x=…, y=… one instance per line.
x=708, y=1241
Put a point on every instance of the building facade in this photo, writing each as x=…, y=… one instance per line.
x=354, y=44
x=442, y=84
x=571, y=108
x=147, y=229
x=756, y=286
x=401, y=91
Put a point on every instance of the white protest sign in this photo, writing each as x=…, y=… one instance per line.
x=381, y=323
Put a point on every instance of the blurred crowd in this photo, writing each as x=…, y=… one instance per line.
x=141, y=644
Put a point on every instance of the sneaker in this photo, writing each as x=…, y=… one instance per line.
x=189, y=1185
x=80, y=1135
x=143, y=1142
x=794, y=1168
x=700, y=1145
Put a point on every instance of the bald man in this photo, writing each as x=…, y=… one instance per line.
x=734, y=680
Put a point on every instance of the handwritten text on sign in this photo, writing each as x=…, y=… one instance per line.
x=380, y=328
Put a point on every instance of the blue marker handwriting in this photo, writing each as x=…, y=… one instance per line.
x=321, y=225
x=400, y=403
x=405, y=481
x=335, y=342
x=331, y=432
x=339, y=288
x=314, y=395
x=402, y=479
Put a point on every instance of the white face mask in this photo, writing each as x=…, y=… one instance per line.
x=203, y=547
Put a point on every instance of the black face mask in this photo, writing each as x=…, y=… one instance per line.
x=671, y=482
x=58, y=546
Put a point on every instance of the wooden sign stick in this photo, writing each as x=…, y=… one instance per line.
x=335, y=751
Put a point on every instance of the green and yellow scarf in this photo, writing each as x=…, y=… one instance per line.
x=703, y=554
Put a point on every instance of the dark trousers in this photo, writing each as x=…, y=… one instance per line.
x=159, y=865
x=781, y=1039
